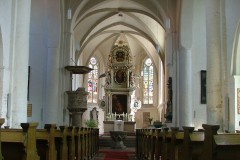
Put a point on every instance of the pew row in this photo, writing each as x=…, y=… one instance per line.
x=50, y=143
x=156, y=144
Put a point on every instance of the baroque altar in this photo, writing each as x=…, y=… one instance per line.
x=119, y=88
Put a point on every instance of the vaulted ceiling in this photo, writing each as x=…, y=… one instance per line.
x=97, y=25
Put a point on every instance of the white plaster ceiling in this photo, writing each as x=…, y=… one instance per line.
x=96, y=25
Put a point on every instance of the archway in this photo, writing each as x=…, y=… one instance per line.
x=235, y=112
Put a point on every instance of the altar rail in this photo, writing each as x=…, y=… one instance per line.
x=156, y=144
x=50, y=143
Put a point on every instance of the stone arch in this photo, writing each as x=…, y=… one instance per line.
x=236, y=52
x=235, y=70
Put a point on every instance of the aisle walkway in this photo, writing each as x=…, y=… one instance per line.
x=115, y=154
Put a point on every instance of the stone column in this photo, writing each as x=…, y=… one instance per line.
x=185, y=89
x=184, y=64
x=214, y=97
x=53, y=111
x=65, y=77
x=21, y=29
x=52, y=87
x=2, y=104
x=77, y=104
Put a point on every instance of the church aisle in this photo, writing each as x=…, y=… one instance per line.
x=107, y=153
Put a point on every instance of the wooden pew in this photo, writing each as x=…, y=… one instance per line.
x=149, y=144
x=207, y=145
x=20, y=143
x=212, y=147
x=141, y=143
x=187, y=145
x=45, y=139
x=193, y=143
x=220, y=146
x=156, y=144
x=157, y=139
x=176, y=147
x=29, y=143
x=95, y=141
x=138, y=143
x=1, y=123
x=180, y=145
x=166, y=144
x=144, y=146
x=62, y=148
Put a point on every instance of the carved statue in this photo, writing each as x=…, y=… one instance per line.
x=131, y=79
x=168, y=114
x=94, y=114
x=108, y=78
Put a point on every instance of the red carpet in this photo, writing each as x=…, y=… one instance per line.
x=111, y=154
x=116, y=155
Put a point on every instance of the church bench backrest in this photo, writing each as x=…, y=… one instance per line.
x=21, y=142
x=46, y=142
x=227, y=139
x=166, y=143
x=2, y=120
x=197, y=136
x=30, y=143
x=139, y=143
x=177, y=139
x=157, y=143
x=193, y=143
x=227, y=146
x=12, y=135
x=220, y=146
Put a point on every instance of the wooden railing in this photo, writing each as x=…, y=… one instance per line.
x=156, y=144
x=50, y=143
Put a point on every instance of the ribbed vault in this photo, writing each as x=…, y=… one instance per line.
x=97, y=25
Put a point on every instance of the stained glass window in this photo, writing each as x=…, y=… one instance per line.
x=93, y=81
x=148, y=82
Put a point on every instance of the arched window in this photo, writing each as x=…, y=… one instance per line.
x=93, y=81
x=148, y=82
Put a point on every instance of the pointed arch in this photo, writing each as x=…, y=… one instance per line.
x=235, y=66
x=147, y=74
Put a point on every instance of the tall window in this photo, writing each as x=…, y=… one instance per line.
x=93, y=81
x=148, y=82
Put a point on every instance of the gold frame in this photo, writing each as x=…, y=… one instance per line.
x=120, y=76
